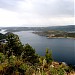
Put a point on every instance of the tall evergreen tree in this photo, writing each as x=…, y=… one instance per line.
x=29, y=54
x=14, y=45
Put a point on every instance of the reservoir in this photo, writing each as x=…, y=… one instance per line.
x=63, y=50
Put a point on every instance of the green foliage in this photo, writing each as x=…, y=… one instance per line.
x=30, y=71
x=48, y=56
x=53, y=71
x=61, y=71
x=2, y=36
x=29, y=54
x=58, y=71
x=1, y=68
x=2, y=57
x=2, y=48
x=14, y=45
x=10, y=70
x=12, y=59
x=23, y=68
x=41, y=60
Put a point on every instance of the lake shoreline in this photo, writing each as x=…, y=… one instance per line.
x=60, y=38
x=53, y=35
x=56, y=44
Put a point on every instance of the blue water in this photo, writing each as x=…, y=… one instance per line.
x=63, y=50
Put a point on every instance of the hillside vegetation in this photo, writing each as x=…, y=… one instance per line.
x=2, y=36
x=19, y=59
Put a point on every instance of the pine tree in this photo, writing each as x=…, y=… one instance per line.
x=14, y=45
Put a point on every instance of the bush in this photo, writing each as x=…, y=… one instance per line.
x=30, y=71
x=2, y=57
x=23, y=67
x=29, y=54
x=48, y=56
x=12, y=59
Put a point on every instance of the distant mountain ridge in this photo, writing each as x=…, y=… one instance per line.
x=70, y=28
x=63, y=28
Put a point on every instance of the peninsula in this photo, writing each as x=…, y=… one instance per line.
x=56, y=34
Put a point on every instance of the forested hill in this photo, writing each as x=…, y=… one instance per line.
x=62, y=28
x=70, y=28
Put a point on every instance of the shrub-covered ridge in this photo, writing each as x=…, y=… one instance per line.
x=19, y=59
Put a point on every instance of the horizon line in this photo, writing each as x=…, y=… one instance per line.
x=36, y=26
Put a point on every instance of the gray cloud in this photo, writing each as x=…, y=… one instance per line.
x=9, y=4
x=37, y=12
x=58, y=8
x=46, y=8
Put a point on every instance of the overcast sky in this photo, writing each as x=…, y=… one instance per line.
x=36, y=12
